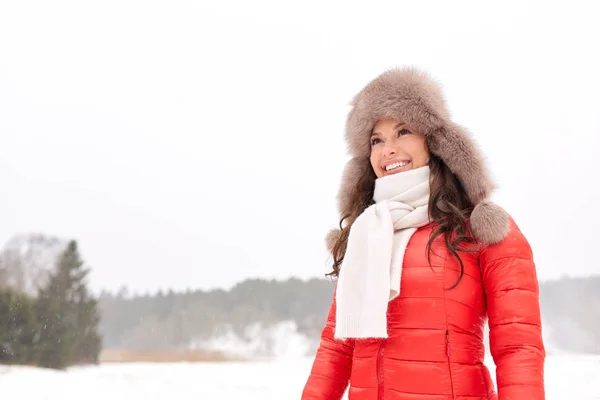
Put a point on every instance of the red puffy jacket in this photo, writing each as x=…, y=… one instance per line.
x=435, y=348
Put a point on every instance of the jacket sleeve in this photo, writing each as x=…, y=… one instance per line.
x=512, y=292
x=330, y=372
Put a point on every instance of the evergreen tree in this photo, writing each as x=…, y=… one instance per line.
x=17, y=328
x=67, y=315
x=89, y=342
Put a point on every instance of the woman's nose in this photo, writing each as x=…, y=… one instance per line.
x=388, y=151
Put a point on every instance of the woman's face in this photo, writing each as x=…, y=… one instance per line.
x=396, y=147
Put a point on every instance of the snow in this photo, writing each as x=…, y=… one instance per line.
x=280, y=340
x=567, y=376
x=284, y=340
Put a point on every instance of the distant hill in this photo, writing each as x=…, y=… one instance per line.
x=269, y=317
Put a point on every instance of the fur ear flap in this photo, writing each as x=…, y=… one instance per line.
x=489, y=222
x=331, y=238
x=453, y=144
x=355, y=169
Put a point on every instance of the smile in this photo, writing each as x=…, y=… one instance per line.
x=396, y=165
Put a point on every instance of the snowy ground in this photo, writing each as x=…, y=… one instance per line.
x=567, y=377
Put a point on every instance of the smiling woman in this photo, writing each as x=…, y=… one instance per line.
x=423, y=259
x=395, y=147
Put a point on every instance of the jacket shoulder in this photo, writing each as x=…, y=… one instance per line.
x=513, y=245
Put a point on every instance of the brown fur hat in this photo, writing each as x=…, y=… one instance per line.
x=413, y=97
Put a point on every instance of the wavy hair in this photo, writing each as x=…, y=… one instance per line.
x=449, y=208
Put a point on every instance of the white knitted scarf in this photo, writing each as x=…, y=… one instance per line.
x=372, y=268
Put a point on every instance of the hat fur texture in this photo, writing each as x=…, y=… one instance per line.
x=412, y=96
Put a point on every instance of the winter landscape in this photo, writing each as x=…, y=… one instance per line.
x=255, y=340
x=169, y=171
x=567, y=377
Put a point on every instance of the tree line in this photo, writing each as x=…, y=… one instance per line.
x=56, y=327
x=175, y=320
x=167, y=320
x=48, y=317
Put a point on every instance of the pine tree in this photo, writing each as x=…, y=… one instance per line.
x=89, y=342
x=17, y=328
x=67, y=315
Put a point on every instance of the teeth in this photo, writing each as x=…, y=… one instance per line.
x=396, y=165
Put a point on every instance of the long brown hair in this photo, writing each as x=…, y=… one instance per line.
x=449, y=207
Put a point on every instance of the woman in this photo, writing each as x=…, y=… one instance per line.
x=422, y=260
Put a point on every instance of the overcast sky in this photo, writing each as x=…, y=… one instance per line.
x=196, y=144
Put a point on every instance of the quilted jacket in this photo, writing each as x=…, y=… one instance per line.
x=435, y=344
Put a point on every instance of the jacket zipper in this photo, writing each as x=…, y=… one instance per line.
x=449, y=364
x=380, y=371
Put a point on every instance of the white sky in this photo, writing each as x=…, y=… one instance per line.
x=195, y=144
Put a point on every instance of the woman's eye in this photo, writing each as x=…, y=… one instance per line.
x=402, y=132
x=375, y=141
